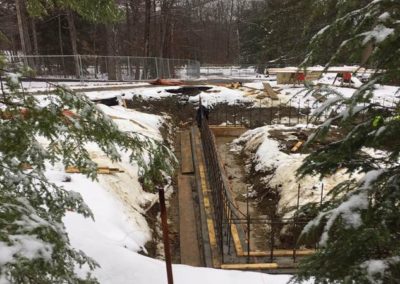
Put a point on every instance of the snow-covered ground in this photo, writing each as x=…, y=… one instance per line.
x=279, y=168
x=215, y=95
x=37, y=86
x=297, y=95
x=119, y=230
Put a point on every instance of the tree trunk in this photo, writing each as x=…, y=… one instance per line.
x=367, y=52
x=112, y=75
x=35, y=39
x=60, y=42
x=23, y=29
x=147, y=28
x=74, y=45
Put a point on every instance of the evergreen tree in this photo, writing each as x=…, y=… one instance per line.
x=359, y=223
x=33, y=242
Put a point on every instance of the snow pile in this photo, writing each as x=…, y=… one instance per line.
x=279, y=168
x=214, y=95
x=129, y=120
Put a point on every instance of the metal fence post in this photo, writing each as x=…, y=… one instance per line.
x=155, y=60
x=81, y=75
x=169, y=69
x=129, y=69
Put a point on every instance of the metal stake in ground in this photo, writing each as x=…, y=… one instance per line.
x=164, y=226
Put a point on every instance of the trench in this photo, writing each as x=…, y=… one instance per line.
x=242, y=193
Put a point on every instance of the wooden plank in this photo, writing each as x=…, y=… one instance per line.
x=189, y=244
x=186, y=154
x=281, y=253
x=270, y=92
x=100, y=170
x=250, y=266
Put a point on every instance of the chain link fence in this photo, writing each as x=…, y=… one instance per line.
x=236, y=71
x=112, y=68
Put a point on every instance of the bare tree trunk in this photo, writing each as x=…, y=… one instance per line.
x=147, y=28
x=228, y=40
x=367, y=52
x=112, y=75
x=73, y=36
x=60, y=42
x=35, y=39
x=23, y=28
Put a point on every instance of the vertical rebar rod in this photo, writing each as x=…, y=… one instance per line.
x=164, y=225
x=270, y=113
x=234, y=113
x=322, y=194
x=298, y=112
x=248, y=226
x=279, y=112
x=226, y=113
x=298, y=197
x=271, y=256
x=294, y=223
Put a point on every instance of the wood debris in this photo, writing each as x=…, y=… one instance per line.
x=297, y=146
x=100, y=170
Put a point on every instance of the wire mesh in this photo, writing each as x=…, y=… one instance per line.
x=111, y=68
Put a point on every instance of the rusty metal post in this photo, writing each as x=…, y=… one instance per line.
x=164, y=225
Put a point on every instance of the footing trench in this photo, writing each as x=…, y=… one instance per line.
x=215, y=231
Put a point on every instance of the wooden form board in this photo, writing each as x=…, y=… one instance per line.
x=189, y=244
x=186, y=154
